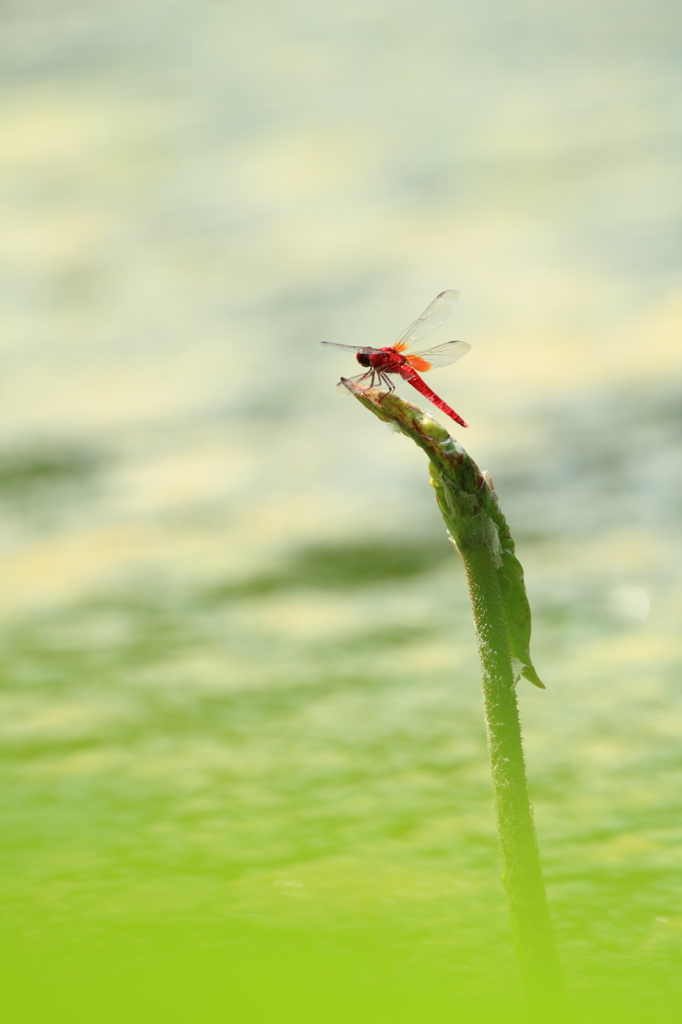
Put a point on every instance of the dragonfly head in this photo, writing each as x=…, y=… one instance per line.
x=363, y=358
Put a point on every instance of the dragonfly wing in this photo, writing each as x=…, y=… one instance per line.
x=369, y=379
x=441, y=355
x=347, y=348
x=346, y=384
x=432, y=317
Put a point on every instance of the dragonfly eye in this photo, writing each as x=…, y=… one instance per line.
x=362, y=358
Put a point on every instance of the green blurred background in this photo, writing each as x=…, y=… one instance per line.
x=244, y=766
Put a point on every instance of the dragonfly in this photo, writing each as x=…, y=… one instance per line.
x=383, y=363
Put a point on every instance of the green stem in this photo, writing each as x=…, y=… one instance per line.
x=536, y=952
x=475, y=523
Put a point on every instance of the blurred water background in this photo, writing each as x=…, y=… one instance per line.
x=244, y=759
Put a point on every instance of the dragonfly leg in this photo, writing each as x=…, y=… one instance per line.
x=385, y=381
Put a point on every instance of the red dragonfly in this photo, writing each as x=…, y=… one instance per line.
x=381, y=362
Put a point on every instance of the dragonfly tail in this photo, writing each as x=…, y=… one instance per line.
x=417, y=383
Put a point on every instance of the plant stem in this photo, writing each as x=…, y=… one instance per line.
x=501, y=613
x=536, y=953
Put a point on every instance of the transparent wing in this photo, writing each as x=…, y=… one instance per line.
x=368, y=380
x=432, y=317
x=442, y=355
x=346, y=384
x=347, y=348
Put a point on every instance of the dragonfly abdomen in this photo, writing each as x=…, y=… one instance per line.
x=408, y=374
